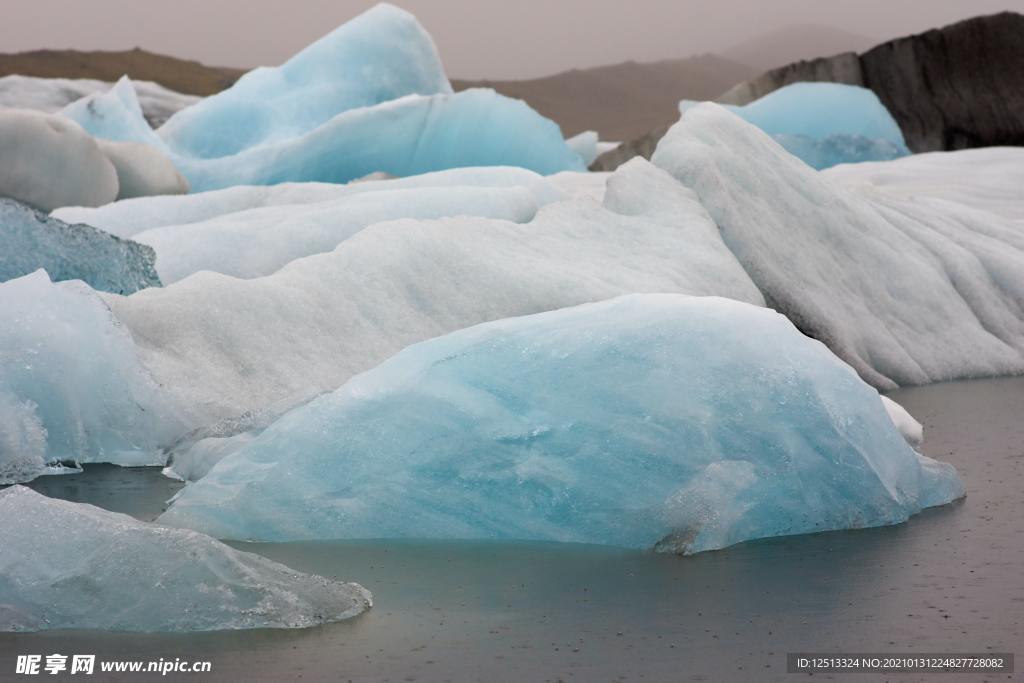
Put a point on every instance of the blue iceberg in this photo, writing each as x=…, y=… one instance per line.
x=683, y=423
x=71, y=386
x=824, y=124
x=403, y=137
x=381, y=55
x=369, y=97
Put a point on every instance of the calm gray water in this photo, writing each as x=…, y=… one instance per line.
x=950, y=579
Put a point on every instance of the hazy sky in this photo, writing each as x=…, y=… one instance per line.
x=477, y=38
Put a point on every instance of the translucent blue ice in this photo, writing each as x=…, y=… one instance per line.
x=381, y=55
x=680, y=422
x=30, y=240
x=825, y=124
x=369, y=97
x=71, y=385
x=70, y=565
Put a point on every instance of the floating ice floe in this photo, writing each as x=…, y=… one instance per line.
x=49, y=161
x=30, y=240
x=906, y=291
x=223, y=346
x=686, y=423
x=70, y=565
x=53, y=94
x=71, y=386
x=824, y=124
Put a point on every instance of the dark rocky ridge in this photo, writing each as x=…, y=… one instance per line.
x=957, y=87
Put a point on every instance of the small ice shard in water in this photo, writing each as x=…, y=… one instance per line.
x=685, y=422
x=70, y=565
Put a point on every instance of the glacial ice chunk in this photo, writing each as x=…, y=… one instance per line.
x=30, y=240
x=49, y=161
x=683, y=422
x=70, y=565
x=824, y=124
x=323, y=318
x=70, y=379
x=382, y=54
x=906, y=290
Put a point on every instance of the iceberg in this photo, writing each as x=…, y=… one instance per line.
x=71, y=386
x=222, y=346
x=74, y=566
x=905, y=291
x=128, y=218
x=402, y=137
x=49, y=161
x=114, y=115
x=824, y=124
x=50, y=95
x=381, y=55
x=823, y=153
x=988, y=179
x=259, y=242
x=142, y=170
x=681, y=423
x=588, y=146
x=371, y=97
x=30, y=240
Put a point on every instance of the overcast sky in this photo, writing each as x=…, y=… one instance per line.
x=477, y=38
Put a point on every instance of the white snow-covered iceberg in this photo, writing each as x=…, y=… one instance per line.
x=382, y=54
x=128, y=218
x=824, y=124
x=685, y=423
x=907, y=291
x=69, y=565
x=53, y=94
x=143, y=170
x=259, y=241
x=71, y=386
x=223, y=346
x=989, y=178
x=49, y=161
x=30, y=240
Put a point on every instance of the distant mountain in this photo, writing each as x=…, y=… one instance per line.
x=184, y=76
x=793, y=43
x=622, y=101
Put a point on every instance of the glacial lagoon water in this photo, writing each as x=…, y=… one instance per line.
x=951, y=579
